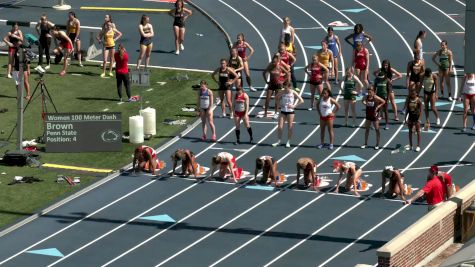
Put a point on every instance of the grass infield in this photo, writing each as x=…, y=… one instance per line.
x=82, y=90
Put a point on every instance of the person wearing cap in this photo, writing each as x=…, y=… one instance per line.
x=434, y=191
x=353, y=174
x=268, y=165
x=444, y=177
x=188, y=162
x=309, y=167
x=396, y=182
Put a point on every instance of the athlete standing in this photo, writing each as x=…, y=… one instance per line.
x=146, y=43
x=430, y=94
x=334, y=45
x=205, y=109
x=391, y=75
x=179, y=14
x=413, y=109
x=315, y=71
x=445, y=67
x=235, y=62
x=351, y=85
x=415, y=73
x=360, y=63
x=226, y=77
x=73, y=28
x=286, y=102
x=468, y=90
x=373, y=104
x=242, y=47
x=325, y=56
x=327, y=106
x=241, y=109
x=278, y=73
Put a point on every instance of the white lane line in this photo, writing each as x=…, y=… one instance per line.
x=388, y=23
x=460, y=2
x=130, y=250
x=263, y=201
x=147, y=184
x=162, y=67
x=417, y=158
x=152, y=208
x=374, y=156
x=351, y=21
x=445, y=14
x=391, y=216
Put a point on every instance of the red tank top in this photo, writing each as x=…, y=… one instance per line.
x=240, y=103
x=360, y=57
x=276, y=75
x=370, y=108
x=315, y=74
x=284, y=57
x=241, y=49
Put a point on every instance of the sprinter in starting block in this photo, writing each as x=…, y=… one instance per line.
x=188, y=162
x=145, y=159
x=226, y=163
x=396, y=182
x=353, y=175
x=268, y=165
x=309, y=167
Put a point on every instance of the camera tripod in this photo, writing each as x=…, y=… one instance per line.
x=45, y=97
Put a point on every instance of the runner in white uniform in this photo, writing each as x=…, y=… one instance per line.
x=468, y=90
x=241, y=109
x=325, y=109
x=285, y=100
x=205, y=106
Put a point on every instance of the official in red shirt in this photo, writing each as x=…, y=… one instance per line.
x=122, y=71
x=434, y=190
x=445, y=178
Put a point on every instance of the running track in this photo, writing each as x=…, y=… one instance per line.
x=223, y=224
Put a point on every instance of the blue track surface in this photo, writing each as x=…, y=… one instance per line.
x=220, y=223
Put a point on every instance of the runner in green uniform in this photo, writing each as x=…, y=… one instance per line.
x=350, y=86
x=381, y=84
x=445, y=67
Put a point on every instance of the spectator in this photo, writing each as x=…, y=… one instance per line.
x=43, y=28
x=12, y=39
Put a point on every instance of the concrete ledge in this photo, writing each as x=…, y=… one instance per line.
x=434, y=217
x=415, y=230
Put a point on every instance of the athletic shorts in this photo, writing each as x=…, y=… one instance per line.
x=316, y=83
x=110, y=47
x=223, y=87
x=146, y=41
x=72, y=36
x=327, y=118
x=469, y=96
x=240, y=114
x=275, y=86
x=287, y=112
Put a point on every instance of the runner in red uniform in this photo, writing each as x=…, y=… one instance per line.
x=277, y=74
x=315, y=71
x=65, y=47
x=361, y=63
x=242, y=47
x=145, y=159
x=241, y=109
x=373, y=104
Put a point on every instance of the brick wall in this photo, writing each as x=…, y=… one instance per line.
x=422, y=246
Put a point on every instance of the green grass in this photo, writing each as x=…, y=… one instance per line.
x=85, y=93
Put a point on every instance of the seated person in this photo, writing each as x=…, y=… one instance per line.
x=309, y=167
x=188, y=163
x=145, y=159
x=396, y=182
x=269, y=169
x=353, y=175
x=226, y=163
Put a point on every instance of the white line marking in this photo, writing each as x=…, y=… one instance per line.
x=309, y=28
x=136, y=190
x=269, y=56
x=447, y=15
x=417, y=158
x=351, y=21
x=106, y=109
x=163, y=67
x=460, y=2
x=149, y=89
x=389, y=217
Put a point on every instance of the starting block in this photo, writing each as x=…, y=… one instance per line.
x=362, y=186
x=270, y=114
x=201, y=170
x=320, y=182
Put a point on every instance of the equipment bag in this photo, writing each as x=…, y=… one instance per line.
x=18, y=157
